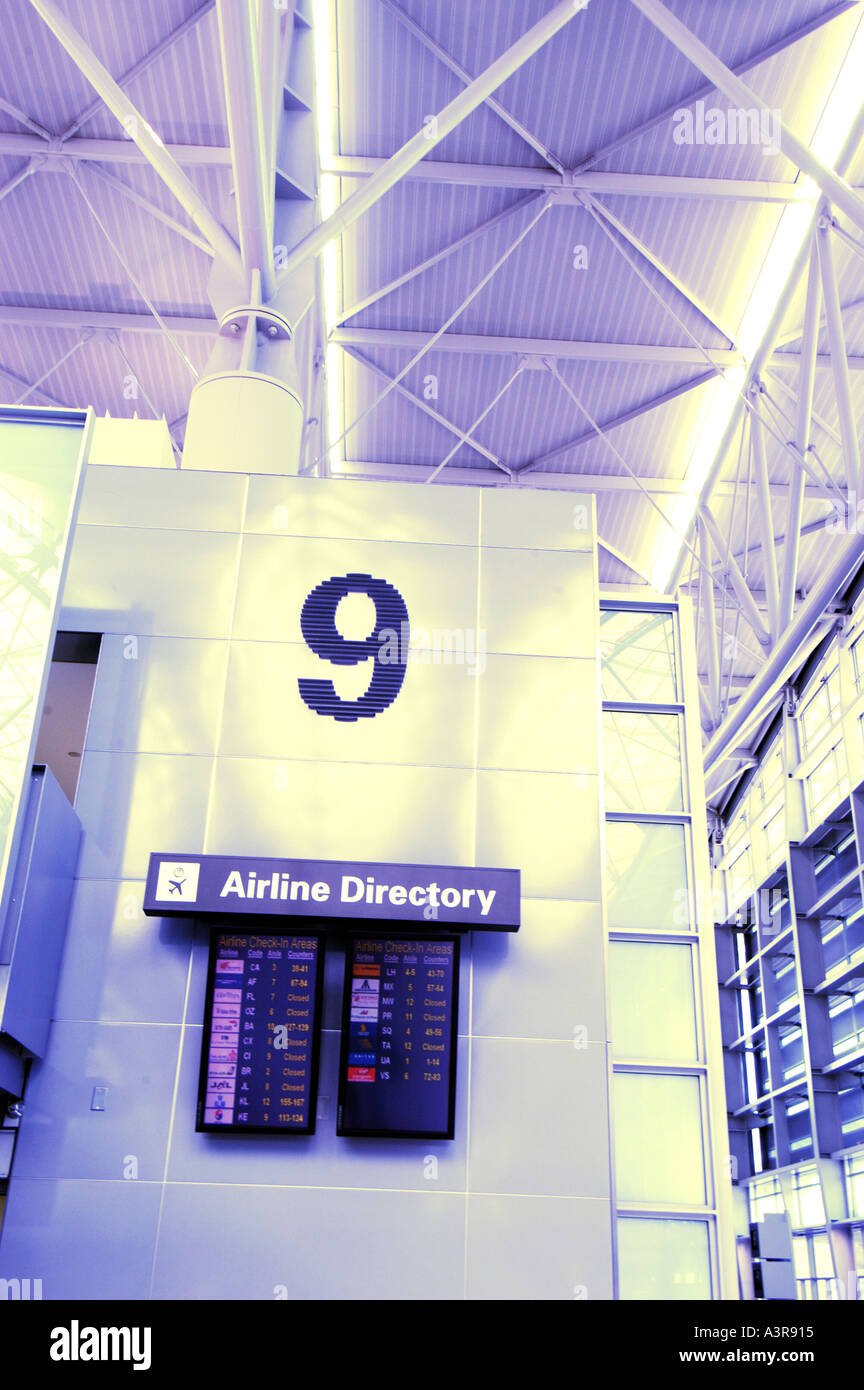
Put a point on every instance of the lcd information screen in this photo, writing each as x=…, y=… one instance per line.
x=397, y=1071
x=259, y=1056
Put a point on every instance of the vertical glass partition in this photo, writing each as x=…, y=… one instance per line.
x=41, y=454
x=665, y=1054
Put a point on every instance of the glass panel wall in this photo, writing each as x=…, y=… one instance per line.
x=792, y=977
x=666, y=1190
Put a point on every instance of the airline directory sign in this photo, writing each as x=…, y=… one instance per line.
x=397, y=1070
x=259, y=1055
x=448, y=895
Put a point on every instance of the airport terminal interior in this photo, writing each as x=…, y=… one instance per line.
x=432, y=650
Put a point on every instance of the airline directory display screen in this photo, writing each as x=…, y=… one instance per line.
x=397, y=1070
x=259, y=1056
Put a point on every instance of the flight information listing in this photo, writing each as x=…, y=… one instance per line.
x=397, y=1073
x=259, y=1058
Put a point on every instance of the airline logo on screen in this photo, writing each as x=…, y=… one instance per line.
x=220, y=884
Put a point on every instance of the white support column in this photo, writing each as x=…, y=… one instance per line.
x=806, y=379
x=249, y=125
x=706, y=584
x=832, y=185
x=137, y=128
x=769, y=555
x=249, y=408
x=426, y=140
x=834, y=321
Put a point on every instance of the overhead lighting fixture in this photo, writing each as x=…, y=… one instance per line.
x=840, y=111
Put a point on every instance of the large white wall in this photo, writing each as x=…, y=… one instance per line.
x=198, y=741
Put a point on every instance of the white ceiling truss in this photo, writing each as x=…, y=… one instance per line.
x=750, y=533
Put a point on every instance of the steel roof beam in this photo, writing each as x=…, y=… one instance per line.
x=765, y=350
x=603, y=184
x=32, y=390
x=839, y=360
x=804, y=407
x=420, y=145
x=538, y=347
x=547, y=180
x=564, y=481
x=141, y=132
x=462, y=435
x=831, y=184
x=41, y=317
x=99, y=318
x=788, y=654
x=13, y=142
x=766, y=520
x=732, y=571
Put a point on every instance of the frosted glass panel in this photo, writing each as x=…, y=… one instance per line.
x=658, y=1139
x=663, y=1259
x=646, y=877
x=642, y=762
x=653, y=1008
x=38, y=482
x=638, y=652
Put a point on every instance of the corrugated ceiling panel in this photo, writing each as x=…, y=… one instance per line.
x=540, y=292
x=181, y=93
x=63, y=258
x=377, y=115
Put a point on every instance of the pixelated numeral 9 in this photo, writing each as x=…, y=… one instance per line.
x=386, y=646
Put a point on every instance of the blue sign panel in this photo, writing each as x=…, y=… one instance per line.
x=397, y=1073
x=200, y=884
x=259, y=1055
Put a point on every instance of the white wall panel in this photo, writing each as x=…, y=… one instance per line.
x=157, y=695
x=277, y=573
x=202, y=743
x=340, y=811
x=539, y=603
x=548, y=823
x=363, y=510
x=163, y=500
x=529, y=520
x=130, y=802
x=431, y=721
x=538, y=714
x=126, y=580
